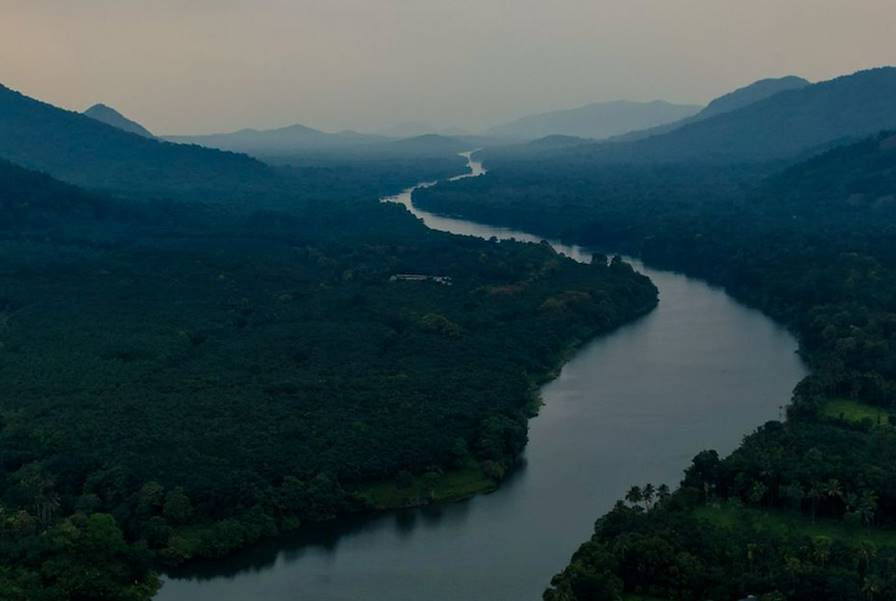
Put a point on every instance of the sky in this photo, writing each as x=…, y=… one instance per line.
x=201, y=66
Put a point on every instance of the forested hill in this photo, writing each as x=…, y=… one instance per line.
x=81, y=150
x=782, y=126
x=33, y=198
x=850, y=177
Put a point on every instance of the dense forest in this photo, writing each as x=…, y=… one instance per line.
x=179, y=381
x=803, y=509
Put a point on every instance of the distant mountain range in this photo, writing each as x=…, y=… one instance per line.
x=727, y=103
x=558, y=141
x=284, y=140
x=414, y=129
x=785, y=125
x=110, y=116
x=598, y=121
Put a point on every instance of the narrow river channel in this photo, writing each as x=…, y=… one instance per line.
x=699, y=372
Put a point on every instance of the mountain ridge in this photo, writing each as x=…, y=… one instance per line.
x=280, y=140
x=730, y=101
x=80, y=150
x=778, y=127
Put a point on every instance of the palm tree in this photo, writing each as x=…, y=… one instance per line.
x=814, y=493
x=634, y=496
x=663, y=493
x=871, y=587
x=821, y=550
x=833, y=490
x=868, y=507
x=866, y=552
x=649, y=493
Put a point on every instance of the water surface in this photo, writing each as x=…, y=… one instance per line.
x=699, y=372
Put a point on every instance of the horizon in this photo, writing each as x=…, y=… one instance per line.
x=462, y=72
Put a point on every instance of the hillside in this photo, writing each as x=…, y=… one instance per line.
x=35, y=199
x=81, y=150
x=599, y=120
x=732, y=101
x=779, y=127
x=110, y=116
x=857, y=175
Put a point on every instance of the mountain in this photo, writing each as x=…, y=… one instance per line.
x=732, y=101
x=110, y=116
x=598, y=120
x=781, y=126
x=81, y=150
x=284, y=140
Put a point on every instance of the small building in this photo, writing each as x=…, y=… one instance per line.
x=419, y=277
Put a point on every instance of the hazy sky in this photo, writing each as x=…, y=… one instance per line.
x=192, y=66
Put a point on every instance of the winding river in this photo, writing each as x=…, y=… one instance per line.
x=699, y=372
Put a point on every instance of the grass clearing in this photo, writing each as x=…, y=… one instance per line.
x=856, y=411
x=454, y=485
x=779, y=521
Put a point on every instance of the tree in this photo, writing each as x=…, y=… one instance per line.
x=150, y=499
x=868, y=507
x=833, y=490
x=649, y=493
x=815, y=493
x=635, y=496
x=758, y=492
x=177, y=508
x=404, y=479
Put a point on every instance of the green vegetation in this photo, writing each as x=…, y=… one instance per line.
x=179, y=382
x=673, y=548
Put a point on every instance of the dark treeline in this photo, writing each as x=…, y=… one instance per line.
x=180, y=382
x=811, y=244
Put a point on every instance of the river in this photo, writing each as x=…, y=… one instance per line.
x=635, y=406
